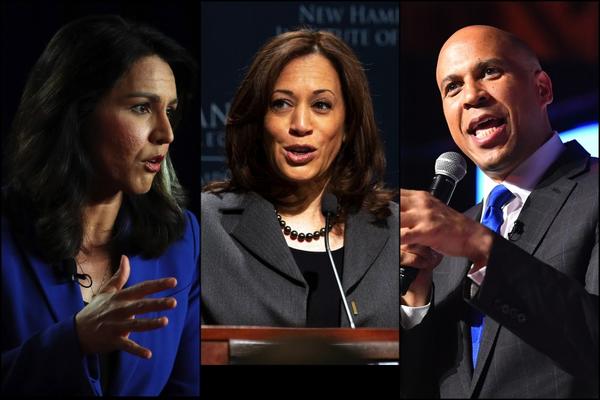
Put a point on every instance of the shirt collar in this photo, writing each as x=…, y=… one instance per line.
x=526, y=176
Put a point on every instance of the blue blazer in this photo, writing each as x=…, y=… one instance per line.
x=40, y=347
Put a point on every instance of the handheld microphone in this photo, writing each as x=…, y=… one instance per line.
x=329, y=206
x=450, y=168
x=70, y=268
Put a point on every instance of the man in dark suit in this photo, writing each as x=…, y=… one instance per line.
x=512, y=309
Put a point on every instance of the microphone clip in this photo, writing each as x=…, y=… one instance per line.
x=82, y=277
x=68, y=268
x=517, y=230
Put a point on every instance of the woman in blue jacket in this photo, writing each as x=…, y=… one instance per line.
x=100, y=273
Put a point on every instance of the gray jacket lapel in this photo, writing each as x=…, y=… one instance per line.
x=363, y=243
x=254, y=225
x=252, y=222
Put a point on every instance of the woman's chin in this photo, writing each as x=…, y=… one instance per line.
x=143, y=190
x=303, y=181
x=139, y=188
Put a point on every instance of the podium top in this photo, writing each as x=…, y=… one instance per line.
x=273, y=345
x=224, y=332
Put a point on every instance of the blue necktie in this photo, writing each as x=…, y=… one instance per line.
x=492, y=218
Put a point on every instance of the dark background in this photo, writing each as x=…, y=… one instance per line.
x=563, y=34
x=28, y=25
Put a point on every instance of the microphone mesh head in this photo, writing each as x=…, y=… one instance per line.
x=329, y=204
x=451, y=164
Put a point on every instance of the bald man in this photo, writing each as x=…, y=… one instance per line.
x=505, y=303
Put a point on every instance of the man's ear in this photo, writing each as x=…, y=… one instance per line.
x=544, y=88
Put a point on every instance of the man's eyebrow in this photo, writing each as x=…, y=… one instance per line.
x=150, y=96
x=477, y=67
x=448, y=78
x=490, y=61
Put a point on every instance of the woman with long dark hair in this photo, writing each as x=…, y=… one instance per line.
x=100, y=287
x=300, y=125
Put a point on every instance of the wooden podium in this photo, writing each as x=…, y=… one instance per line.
x=221, y=345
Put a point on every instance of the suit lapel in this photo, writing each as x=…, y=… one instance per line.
x=488, y=336
x=63, y=295
x=540, y=209
x=64, y=300
x=490, y=332
x=458, y=271
x=468, y=376
x=548, y=198
x=257, y=229
x=364, y=241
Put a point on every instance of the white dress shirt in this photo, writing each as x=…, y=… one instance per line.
x=521, y=183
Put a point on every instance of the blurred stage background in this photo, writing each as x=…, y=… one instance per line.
x=397, y=43
x=563, y=34
x=28, y=26
x=232, y=32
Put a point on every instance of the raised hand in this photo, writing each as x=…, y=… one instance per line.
x=426, y=221
x=105, y=323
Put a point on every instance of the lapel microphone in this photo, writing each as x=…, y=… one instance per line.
x=517, y=230
x=70, y=269
x=329, y=205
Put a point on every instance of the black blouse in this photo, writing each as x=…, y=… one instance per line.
x=324, y=301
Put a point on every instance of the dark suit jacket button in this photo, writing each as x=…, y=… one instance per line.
x=505, y=308
x=521, y=318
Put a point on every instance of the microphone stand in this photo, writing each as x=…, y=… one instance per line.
x=337, y=278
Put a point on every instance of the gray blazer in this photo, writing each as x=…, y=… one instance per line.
x=539, y=297
x=249, y=275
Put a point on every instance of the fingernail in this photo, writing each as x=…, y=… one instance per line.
x=170, y=281
x=120, y=263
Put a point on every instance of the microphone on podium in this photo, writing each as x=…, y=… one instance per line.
x=450, y=168
x=329, y=205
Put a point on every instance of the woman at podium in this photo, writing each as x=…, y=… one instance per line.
x=302, y=143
